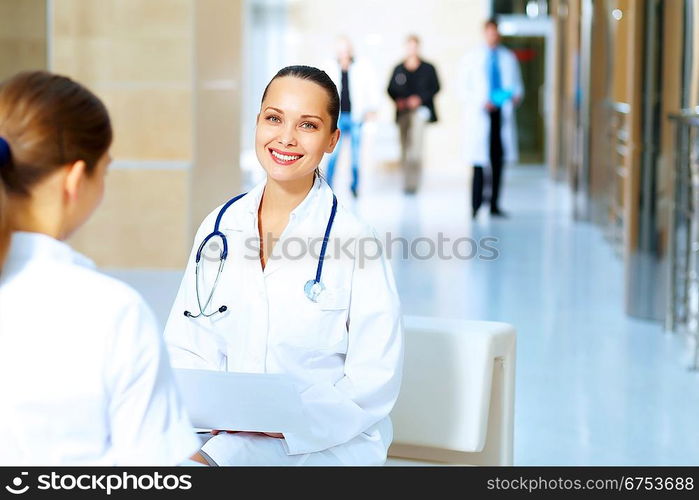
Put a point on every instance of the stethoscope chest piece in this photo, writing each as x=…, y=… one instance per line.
x=313, y=289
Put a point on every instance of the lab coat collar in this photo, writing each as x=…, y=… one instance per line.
x=487, y=49
x=27, y=246
x=251, y=204
x=300, y=212
x=316, y=204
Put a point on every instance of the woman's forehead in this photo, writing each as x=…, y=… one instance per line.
x=296, y=95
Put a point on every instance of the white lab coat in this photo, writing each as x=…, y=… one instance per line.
x=85, y=378
x=363, y=86
x=474, y=91
x=343, y=353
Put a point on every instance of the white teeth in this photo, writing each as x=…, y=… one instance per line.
x=285, y=157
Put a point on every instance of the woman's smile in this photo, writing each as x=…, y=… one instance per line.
x=284, y=157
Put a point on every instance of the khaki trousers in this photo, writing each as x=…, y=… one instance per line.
x=412, y=131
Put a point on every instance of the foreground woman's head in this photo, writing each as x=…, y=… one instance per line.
x=297, y=123
x=54, y=141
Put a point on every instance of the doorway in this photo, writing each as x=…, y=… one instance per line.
x=531, y=130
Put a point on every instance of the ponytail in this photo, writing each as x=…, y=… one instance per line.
x=5, y=230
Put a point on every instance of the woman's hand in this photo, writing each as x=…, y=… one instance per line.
x=414, y=102
x=199, y=459
x=274, y=434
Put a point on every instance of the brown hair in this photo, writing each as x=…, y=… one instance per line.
x=48, y=121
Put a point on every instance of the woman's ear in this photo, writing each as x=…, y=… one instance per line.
x=334, y=137
x=74, y=179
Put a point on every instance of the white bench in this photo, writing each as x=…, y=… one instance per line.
x=456, y=404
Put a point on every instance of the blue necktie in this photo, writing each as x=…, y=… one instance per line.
x=495, y=84
x=498, y=95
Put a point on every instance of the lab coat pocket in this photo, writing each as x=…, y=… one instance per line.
x=322, y=325
x=334, y=299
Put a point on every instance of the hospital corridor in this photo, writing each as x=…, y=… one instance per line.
x=517, y=182
x=593, y=385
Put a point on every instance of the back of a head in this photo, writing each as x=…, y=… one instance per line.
x=47, y=121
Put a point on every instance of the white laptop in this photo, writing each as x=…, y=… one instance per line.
x=254, y=402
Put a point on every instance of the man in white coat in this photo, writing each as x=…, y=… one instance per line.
x=492, y=89
x=356, y=83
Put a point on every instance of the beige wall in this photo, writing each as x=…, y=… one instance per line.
x=142, y=221
x=22, y=36
x=216, y=175
x=137, y=56
x=378, y=29
x=159, y=66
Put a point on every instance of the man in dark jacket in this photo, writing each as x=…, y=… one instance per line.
x=413, y=86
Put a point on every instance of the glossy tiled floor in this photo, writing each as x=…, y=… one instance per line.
x=593, y=386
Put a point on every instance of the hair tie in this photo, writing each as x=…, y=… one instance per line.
x=5, y=154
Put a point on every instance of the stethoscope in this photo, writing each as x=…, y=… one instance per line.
x=313, y=288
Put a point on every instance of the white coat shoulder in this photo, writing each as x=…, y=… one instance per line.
x=103, y=293
x=233, y=215
x=352, y=226
x=73, y=281
x=508, y=55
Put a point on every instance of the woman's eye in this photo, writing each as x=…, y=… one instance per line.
x=309, y=125
x=273, y=119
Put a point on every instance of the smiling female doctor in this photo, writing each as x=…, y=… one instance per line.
x=329, y=320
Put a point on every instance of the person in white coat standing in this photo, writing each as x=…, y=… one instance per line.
x=84, y=373
x=358, y=89
x=330, y=321
x=492, y=89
